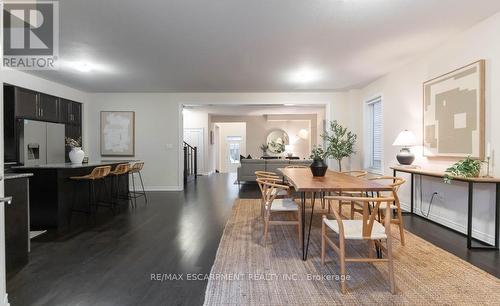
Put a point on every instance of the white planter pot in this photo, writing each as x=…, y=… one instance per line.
x=76, y=155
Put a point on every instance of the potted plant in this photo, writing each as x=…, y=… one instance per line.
x=340, y=142
x=264, y=148
x=76, y=154
x=319, y=166
x=465, y=168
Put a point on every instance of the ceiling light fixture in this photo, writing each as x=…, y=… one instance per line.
x=305, y=75
x=82, y=66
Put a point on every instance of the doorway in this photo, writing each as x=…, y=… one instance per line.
x=195, y=138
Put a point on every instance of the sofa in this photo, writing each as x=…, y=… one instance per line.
x=247, y=168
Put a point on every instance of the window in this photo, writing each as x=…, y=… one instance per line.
x=374, y=133
x=234, y=143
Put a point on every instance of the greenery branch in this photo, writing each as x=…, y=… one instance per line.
x=465, y=168
x=73, y=143
x=340, y=142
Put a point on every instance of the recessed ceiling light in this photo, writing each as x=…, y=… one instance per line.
x=82, y=66
x=305, y=75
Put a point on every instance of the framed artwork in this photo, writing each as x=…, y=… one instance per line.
x=453, y=110
x=117, y=133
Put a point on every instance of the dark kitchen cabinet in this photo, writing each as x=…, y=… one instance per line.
x=16, y=225
x=70, y=112
x=48, y=108
x=64, y=110
x=21, y=103
x=26, y=103
x=9, y=125
x=75, y=113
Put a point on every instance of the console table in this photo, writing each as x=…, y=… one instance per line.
x=470, y=183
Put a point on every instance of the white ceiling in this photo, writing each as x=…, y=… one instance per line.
x=258, y=109
x=250, y=45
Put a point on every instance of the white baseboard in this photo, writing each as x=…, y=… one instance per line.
x=161, y=188
x=453, y=225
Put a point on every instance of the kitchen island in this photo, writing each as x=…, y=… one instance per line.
x=53, y=194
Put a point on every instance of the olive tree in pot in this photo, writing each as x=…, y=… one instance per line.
x=319, y=166
x=340, y=142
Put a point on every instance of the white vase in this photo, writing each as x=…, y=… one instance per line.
x=76, y=155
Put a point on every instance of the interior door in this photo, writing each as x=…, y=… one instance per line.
x=194, y=137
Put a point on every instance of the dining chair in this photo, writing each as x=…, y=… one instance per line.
x=277, y=178
x=355, y=173
x=366, y=229
x=273, y=205
x=395, y=183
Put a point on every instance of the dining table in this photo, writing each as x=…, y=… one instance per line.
x=334, y=182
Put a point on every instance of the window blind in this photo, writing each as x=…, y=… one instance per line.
x=375, y=132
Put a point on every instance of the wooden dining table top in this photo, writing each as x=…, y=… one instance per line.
x=303, y=181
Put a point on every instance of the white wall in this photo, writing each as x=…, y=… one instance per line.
x=158, y=125
x=402, y=109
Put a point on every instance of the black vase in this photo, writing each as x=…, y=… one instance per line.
x=319, y=167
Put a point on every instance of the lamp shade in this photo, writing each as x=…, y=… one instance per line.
x=405, y=139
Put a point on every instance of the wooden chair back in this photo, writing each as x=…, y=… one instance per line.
x=136, y=167
x=394, y=182
x=264, y=174
x=121, y=169
x=267, y=187
x=356, y=173
x=100, y=172
x=369, y=211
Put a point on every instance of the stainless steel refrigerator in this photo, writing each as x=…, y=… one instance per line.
x=41, y=143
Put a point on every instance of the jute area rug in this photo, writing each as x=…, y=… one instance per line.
x=247, y=273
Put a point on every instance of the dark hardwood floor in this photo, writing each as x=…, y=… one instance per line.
x=111, y=263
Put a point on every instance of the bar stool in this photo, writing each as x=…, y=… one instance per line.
x=136, y=169
x=97, y=175
x=119, y=172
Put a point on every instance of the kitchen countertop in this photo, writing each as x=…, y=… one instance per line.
x=11, y=176
x=75, y=166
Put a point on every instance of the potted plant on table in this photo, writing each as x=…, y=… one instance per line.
x=465, y=168
x=76, y=154
x=340, y=142
x=319, y=166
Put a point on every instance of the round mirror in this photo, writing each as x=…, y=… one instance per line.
x=277, y=140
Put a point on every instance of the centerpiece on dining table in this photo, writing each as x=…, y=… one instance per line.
x=339, y=143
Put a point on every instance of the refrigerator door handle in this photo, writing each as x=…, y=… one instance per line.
x=7, y=200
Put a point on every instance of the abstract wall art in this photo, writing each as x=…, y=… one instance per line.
x=454, y=113
x=117, y=133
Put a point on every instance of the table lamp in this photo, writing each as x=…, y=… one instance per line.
x=405, y=139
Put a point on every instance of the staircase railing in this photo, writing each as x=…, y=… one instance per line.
x=190, y=162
